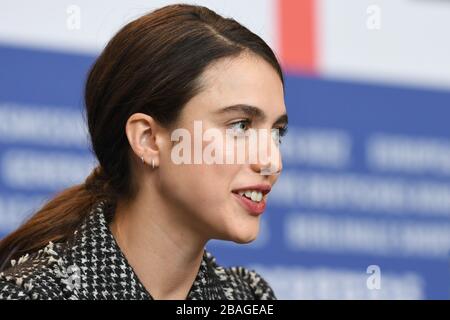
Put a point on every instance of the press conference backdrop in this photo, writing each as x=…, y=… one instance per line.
x=362, y=209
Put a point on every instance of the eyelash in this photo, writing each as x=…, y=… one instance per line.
x=282, y=130
x=246, y=121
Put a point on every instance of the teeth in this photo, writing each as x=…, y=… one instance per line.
x=252, y=194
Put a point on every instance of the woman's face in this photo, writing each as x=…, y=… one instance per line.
x=209, y=195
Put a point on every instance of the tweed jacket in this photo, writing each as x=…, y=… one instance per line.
x=90, y=265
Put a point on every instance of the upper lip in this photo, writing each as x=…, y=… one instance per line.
x=263, y=188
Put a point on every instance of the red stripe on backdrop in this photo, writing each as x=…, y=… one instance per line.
x=297, y=34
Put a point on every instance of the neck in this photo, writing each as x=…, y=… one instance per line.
x=163, y=251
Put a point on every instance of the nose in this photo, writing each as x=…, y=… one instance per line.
x=272, y=168
x=269, y=160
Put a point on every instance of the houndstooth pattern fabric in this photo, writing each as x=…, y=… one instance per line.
x=90, y=265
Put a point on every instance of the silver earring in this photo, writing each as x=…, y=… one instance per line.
x=142, y=158
x=153, y=163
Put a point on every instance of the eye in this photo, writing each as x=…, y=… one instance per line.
x=239, y=127
x=278, y=133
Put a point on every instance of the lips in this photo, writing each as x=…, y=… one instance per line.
x=264, y=188
x=252, y=198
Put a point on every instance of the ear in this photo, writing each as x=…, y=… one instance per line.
x=142, y=130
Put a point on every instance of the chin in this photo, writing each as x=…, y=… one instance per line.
x=243, y=236
x=239, y=230
x=244, y=240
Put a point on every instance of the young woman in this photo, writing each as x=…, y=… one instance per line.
x=138, y=226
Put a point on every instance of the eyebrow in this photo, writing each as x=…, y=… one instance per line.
x=252, y=112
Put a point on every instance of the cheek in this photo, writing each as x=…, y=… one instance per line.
x=206, y=182
x=198, y=186
x=203, y=191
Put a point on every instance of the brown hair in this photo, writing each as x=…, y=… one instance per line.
x=152, y=65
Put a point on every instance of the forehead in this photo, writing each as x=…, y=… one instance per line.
x=246, y=79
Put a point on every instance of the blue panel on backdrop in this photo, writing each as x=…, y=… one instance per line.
x=42, y=77
x=43, y=138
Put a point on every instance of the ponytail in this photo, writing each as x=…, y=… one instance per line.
x=57, y=219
